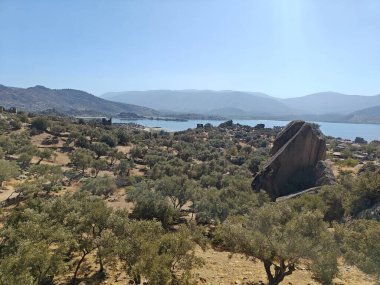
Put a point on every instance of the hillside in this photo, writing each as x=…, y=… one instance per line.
x=223, y=103
x=332, y=103
x=367, y=115
x=40, y=98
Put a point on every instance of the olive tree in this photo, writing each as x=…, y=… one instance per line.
x=33, y=249
x=280, y=237
x=178, y=189
x=101, y=186
x=8, y=170
x=81, y=158
x=46, y=153
x=359, y=241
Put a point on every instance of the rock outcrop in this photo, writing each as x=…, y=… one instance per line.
x=292, y=167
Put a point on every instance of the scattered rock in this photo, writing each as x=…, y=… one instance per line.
x=226, y=124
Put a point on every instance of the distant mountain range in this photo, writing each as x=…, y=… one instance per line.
x=325, y=106
x=69, y=101
x=332, y=103
x=195, y=104
x=223, y=103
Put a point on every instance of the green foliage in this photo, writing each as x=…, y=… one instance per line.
x=8, y=170
x=82, y=141
x=349, y=162
x=81, y=158
x=210, y=207
x=46, y=153
x=15, y=124
x=16, y=143
x=101, y=186
x=363, y=193
x=34, y=249
x=40, y=124
x=124, y=167
x=49, y=176
x=279, y=237
x=99, y=165
x=178, y=189
x=109, y=139
x=359, y=241
x=100, y=149
x=151, y=205
x=24, y=160
x=123, y=137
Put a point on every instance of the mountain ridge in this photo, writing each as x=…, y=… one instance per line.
x=201, y=101
x=244, y=103
x=40, y=98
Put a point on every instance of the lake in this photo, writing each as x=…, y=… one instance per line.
x=347, y=131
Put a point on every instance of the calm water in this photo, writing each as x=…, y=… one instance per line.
x=348, y=131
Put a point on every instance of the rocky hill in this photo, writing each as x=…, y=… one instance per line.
x=69, y=101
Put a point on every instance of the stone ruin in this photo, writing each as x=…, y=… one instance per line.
x=297, y=162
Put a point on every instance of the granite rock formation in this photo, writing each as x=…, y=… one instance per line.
x=292, y=167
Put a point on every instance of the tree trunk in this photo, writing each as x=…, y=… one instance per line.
x=101, y=268
x=74, y=281
x=280, y=272
x=278, y=275
x=137, y=279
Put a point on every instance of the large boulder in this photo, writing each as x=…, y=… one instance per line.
x=292, y=167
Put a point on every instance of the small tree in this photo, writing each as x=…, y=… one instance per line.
x=49, y=176
x=34, y=249
x=175, y=255
x=101, y=186
x=46, y=153
x=81, y=158
x=100, y=149
x=124, y=167
x=280, y=237
x=8, y=170
x=151, y=205
x=109, y=139
x=40, y=124
x=99, y=165
x=359, y=241
x=24, y=160
x=360, y=140
x=178, y=189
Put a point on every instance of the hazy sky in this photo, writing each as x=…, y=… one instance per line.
x=283, y=48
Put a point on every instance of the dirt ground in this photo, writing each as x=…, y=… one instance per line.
x=223, y=269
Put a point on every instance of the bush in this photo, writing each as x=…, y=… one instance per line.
x=40, y=124
x=8, y=170
x=100, y=186
x=150, y=205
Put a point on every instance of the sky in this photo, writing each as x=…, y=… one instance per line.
x=284, y=48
